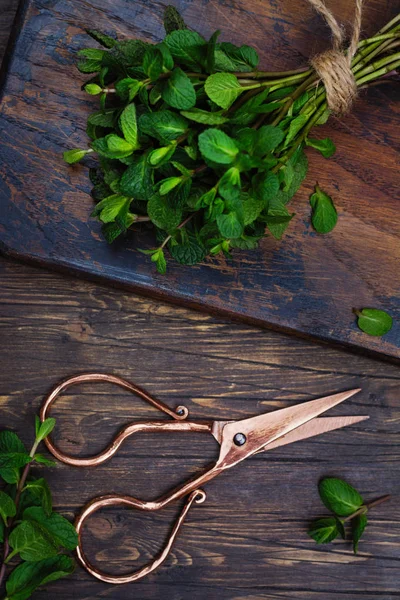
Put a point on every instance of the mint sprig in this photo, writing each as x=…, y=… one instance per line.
x=344, y=501
x=29, y=528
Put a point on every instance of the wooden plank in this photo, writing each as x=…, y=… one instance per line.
x=306, y=284
x=248, y=541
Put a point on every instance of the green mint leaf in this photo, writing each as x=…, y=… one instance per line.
x=108, y=209
x=61, y=531
x=324, y=216
x=178, y=90
x=229, y=57
x=28, y=576
x=39, y=489
x=74, y=156
x=324, y=117
x=111, y=231
x=252, y=208
x=230, y=225
x=210, y=61
x=173, y=20
x=7, y=507
x=129, y=126
x=40, y=458
x=10, y=442
x=205, y=117
x=127, y=88
x=162, y=214
x=267, y=139
x=266, y=185
x=341, y=529
x=153, y=63
x=31, y=542
x=45, y=429
x=278, y=218
x=168, y=61
x=324, y=530
x=112, y=146
x=339, y=497
x=103, y=118
x=299, y=164
x=13, y=460
x=264, y=109
x=216, y=146
x=325, y=146
x=128, y=53
x=223, y=88
x=189, y=252
x=164, y=125
x=295, y=125
x=137, y=181
x=187, y=48
x=158, y=257
x=101, y=38
x=166, y=185
x=93, y=89
x=358, y=524
x=90, y=60
x=374, y=321
x=160, y=156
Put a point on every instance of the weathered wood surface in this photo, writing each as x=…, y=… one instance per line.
x=248, y=541
x=307, y=284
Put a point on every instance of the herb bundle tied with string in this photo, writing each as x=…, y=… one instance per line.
x=195, y=141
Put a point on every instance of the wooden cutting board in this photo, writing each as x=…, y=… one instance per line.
x=306, y=283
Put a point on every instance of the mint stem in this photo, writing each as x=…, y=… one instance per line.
x=363, y=509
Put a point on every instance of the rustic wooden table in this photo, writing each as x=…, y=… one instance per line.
x=249, y=540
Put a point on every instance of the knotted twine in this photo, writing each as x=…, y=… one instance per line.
x=334, y=65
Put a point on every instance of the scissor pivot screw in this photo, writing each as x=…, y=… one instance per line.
x=239, y=439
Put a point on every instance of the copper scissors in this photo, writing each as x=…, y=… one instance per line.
x=238, y=440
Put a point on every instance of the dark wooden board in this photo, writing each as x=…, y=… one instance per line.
x=306, y=284
x=249, y=540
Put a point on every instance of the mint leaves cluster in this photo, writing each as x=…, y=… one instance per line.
x=29, y=529
x=348, y=506
x=195, y=141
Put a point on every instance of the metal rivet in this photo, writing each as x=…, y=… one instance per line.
x=180, y=411
x=239, y=439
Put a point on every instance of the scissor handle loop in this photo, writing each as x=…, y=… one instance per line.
x=180, y=414
x=198, y=496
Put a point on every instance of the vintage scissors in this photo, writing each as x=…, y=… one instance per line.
x=238, y=440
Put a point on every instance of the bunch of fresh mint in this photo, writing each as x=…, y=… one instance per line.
x=192, y=138
x=29, y=529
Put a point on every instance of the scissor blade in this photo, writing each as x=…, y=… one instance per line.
x=313, y=428
x=265, y=429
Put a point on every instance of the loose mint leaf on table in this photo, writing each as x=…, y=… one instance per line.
x=325, y=146
x=358, y=526
x=374, y=321
x=217, y=146
x=324, y=530
x=28, y=576
x=223, y=89
x=324, y=216
x=178, y=90
x=339, y=496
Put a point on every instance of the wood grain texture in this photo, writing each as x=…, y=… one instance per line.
x=307, y=284
x=248, y=541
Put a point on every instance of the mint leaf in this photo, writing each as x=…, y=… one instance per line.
x=73, y=156
x=358, y=524
x=137, y=181
x=163, y=125
x=267, y=139
x=153, y=63
x=374, y=321
x=178, y=90
x=187, y=48
x=325, y=146
x=129, y=126
x=31, y=543
x=45, y=429
x=223, y=88
x=190, y=252
x=210, y=60
x=61, y=531
x=230, y=225
x=10, y=443
x=100, y=37
x=39, y=458
x=324, y=530
x=340, y=497
x=324, y=216
x=229, y=57
x=295, y=125
x=204, y=116
x=162, y=214
x=39, y=488
x=7, y=507
x=173, y=20
x=215, y=145
x=166, y=185
x=28, y=576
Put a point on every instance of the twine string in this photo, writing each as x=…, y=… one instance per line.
x=334, y=65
